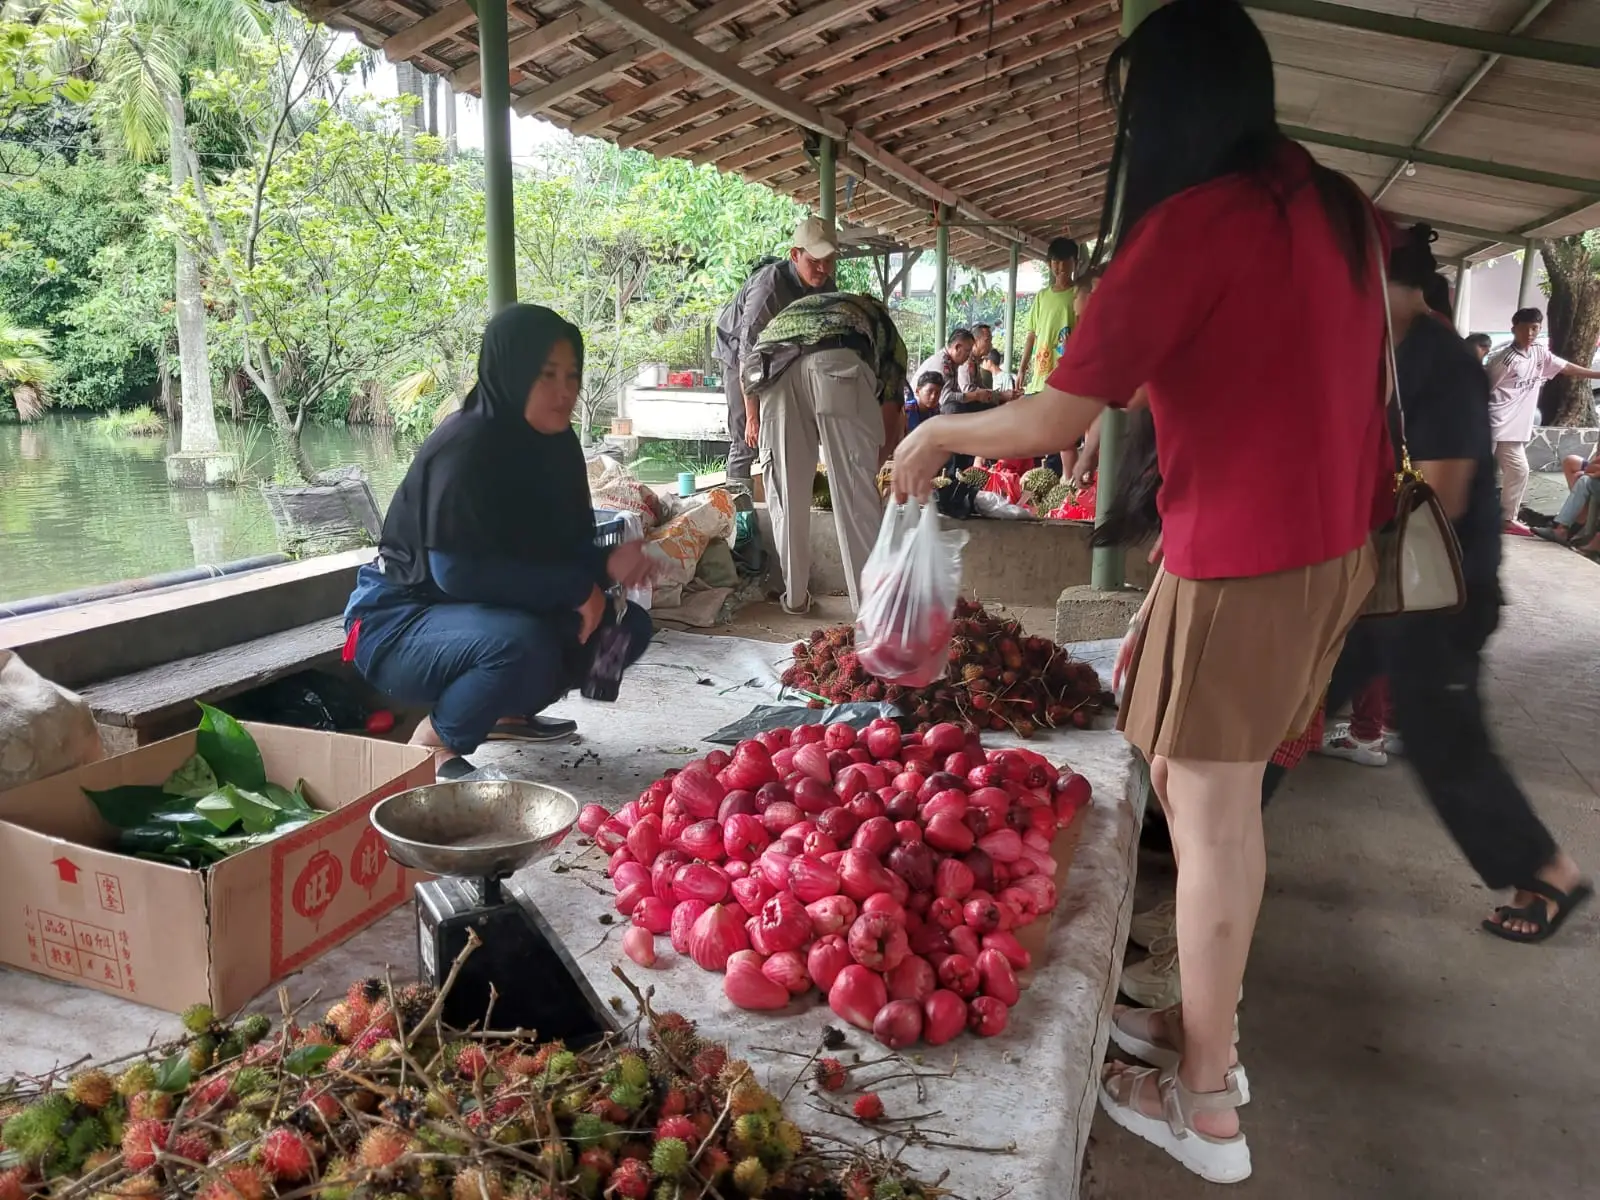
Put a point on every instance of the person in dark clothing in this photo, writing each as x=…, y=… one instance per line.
x=488, y=588
x=1434, y=661
x=771, y=288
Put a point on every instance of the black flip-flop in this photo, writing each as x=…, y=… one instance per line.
x=1537, y=914
x=1549, y=534
x=533, y=729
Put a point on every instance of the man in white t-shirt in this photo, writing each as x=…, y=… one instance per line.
x=1515, y=376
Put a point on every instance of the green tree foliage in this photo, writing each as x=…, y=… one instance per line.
x=80, y=259
x=25, y=368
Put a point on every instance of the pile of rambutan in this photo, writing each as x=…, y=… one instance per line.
x=998, y=678
x=377, y=1100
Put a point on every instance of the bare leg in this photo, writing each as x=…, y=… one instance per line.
x=424, y=735
x=1571, y=467
x=1216, y=815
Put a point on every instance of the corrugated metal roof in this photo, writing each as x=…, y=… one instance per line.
x=1000, y=101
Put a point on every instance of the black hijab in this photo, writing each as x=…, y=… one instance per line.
x=486, y=484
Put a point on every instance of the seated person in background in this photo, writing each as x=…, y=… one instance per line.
x=488, y=588
x=1481, y=343
x=947, y=364
x=999, y=378
x=924, y=402
x=974, y=373
x=1583, y=478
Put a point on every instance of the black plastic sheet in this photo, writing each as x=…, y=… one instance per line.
x=763, y=717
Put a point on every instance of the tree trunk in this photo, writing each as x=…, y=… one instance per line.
x=194, y=360
x=1574, y=326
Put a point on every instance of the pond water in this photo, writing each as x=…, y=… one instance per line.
x=79, y=506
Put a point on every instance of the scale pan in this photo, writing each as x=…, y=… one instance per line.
x=475, y=828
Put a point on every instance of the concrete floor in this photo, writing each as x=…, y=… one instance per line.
x=1394, y=1049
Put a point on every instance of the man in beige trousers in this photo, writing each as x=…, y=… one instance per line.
x=830, y=375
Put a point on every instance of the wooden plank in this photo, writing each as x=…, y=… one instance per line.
x=745, y=114
x=530, y=44
x=450, y=19
x=681, y=43
x=861, y=41
x=161, y=692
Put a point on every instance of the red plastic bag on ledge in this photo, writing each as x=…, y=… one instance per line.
x=909, y=589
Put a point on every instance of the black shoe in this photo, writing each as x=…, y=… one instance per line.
x=533, y=729
x=453, y=768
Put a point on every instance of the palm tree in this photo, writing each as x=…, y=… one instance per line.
x=25, y=367
x=148, y=48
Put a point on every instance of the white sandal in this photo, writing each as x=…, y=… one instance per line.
x=1132, y=1037
x=1216, y=1160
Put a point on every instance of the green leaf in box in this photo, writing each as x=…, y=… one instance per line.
x=217, y=803
x=230, y=750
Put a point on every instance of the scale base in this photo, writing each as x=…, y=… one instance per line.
x=536, y=986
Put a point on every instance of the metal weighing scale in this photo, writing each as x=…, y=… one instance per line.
x=473, y=834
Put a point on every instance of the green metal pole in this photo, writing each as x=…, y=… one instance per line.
x=1107, y=566
x=499, y=215
x=827, y=186
x=1011, y=310
x=941, y=281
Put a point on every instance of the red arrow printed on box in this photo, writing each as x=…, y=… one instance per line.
x=66, y=868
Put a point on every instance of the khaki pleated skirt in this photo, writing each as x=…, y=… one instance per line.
x=1227, y=669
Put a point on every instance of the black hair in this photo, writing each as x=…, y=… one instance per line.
x=1196, y=101
x=981, y=325
x=929, y=377
x=1527, y=316
x=994, y=356
x=960, y=334
x=1062, y=249
x=1482, y=340
x=1131, y=515
x=1411, y=260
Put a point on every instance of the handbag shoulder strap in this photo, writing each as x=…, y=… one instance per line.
x=1391, y=363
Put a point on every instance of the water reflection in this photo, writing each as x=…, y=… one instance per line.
x=80, y=507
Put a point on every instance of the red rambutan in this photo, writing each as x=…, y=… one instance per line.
x=831, y=1074
x=681, y=1128
x=869, y=1107
x=675, y=1103
x=240, y=1181
x=471, y=1062
x=382, y=1146
x=287, y=1156
x=209, y=1093
x=710, y=1061
x=141, y=1140
x=12, y=1183
x=631, y=1180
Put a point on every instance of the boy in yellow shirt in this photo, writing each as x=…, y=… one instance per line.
x=1051, y=319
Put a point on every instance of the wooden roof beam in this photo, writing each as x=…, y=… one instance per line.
x=845, y=47
x=983, y=74
x=682, y=44
x=1063, y=148
x=730, y=122
x=805, y=23
x=786, y=140
x=1049, y=73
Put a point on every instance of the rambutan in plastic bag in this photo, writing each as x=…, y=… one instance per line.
x=909, y=589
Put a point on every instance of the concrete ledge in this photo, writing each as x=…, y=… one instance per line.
x=1086, y=615
x=96, y=641
x=1019, y=563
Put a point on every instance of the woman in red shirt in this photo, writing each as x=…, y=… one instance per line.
x=1242, y=292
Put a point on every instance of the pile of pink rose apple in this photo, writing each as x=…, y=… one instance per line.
x=889, y=870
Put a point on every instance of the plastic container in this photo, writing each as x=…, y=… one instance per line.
x=685, y=483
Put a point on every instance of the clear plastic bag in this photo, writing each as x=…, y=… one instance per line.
x=909, y=589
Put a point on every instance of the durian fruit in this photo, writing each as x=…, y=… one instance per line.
x=1055, y=497
x=1039, y=481
x=975, y=476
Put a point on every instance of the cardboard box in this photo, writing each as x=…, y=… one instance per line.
x=72, y=908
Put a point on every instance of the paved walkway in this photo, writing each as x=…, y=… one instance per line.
x=1394, y=1049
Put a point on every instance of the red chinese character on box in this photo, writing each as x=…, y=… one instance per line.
x=368, y=860
x=317, y=885
x=110, y=889
x=56, y=929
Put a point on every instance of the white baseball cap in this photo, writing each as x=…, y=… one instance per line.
x=816, y=237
